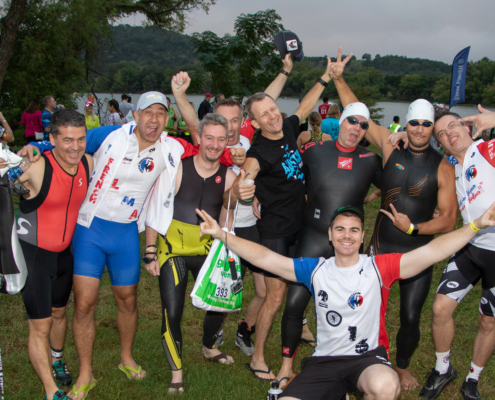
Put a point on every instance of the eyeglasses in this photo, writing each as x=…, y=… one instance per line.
x=426, y=124
x=354, y=121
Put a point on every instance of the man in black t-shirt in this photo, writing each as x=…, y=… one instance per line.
x=275, y=164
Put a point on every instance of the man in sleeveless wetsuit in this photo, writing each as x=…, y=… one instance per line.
x=274, y=162
x=475, y=184
x=57, y=185
x=201, y=183
x=414, y=181
x=338, y=172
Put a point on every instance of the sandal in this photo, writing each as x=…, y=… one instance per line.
x=127, y=371
x=86, y=387
x=259, y=371
x=289, y=380
x=176, y=387
x=218, y=357
x=309, y=342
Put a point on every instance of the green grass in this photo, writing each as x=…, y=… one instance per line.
x=203, y=379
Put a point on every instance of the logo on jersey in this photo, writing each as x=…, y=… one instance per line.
x=80, y=181
x=146, y=165
x=399, y=167
x=367, y=155
x=22, y=230
x=285, y=350
x=108, y=148
x=171, y=160
x=362, y=347
x=334, y=318
x=291, y=45
x=345, y=163
x=355, y=301
x=452, y=285
x=128, y=201
x=384, y=360
x=324, y=298
x=472, y=155
x=352, y=333
x=114, y=184
x=484, y=301
x=218, y=179
x=127, y=160
x=471, y=173
x=317, y=213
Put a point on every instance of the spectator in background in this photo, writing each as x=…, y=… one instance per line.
x=323, y=108
x=314, y=134
x=204, y=107
x=92, y=120
x=172, y=114
x=126, y=105
x=116, y=117
x=330, y=124
x=395, y=127
x=218, y=97
x=6, y=134
x=46, y=116
x=31, y=119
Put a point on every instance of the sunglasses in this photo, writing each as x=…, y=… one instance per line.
x=354, y=121
x=426, y=124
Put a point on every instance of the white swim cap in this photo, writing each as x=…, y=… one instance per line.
x=420, y=109
x=355, y=109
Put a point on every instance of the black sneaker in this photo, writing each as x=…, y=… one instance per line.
x=436, y=382
x=243, y=339
x=60, y=373
x=469, y=390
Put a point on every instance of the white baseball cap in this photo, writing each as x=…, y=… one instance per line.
x=149, y=98
x=355, y=109
x=420, y=109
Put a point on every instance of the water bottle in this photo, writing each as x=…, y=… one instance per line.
x=15, y=173
x=274, y=392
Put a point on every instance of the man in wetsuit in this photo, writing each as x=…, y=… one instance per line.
x=201, y=182
x=338, y=172
x=350, y=292
x=475, y=184
x=415, y=180
x=274, y=162
x=57, y=185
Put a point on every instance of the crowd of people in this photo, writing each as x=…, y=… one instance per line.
x=92, y=191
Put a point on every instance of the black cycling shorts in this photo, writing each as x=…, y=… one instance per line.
x=283, y=246
x=249, y=233
x=49, y=280
x=330, y=378
x=464, y=270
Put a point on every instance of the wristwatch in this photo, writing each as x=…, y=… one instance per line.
x=415, y=230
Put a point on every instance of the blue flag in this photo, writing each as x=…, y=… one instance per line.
x=459, y=68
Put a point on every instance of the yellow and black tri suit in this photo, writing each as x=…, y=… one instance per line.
x=183, y=250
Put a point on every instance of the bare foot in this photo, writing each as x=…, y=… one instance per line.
x=176, y=385
x=306, y=333
x=211, y=353
x=261, y=366
x=407, y=381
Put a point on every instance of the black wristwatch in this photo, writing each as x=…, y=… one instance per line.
x=283, y=71
x=415, y=231
x=148, y=260
x=319, y=80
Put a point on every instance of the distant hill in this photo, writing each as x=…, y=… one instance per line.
x=398, y=65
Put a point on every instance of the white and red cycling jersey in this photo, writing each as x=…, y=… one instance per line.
x=475, y=187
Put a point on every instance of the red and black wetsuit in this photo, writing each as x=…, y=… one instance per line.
x=335, y=177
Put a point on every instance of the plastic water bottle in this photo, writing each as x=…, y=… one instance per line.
x=274, y=392
x=15, y=173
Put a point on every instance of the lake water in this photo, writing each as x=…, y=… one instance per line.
x=288, y=106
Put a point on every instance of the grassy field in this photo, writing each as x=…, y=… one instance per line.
x=203, y=379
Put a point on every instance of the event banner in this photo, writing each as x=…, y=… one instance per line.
x=459, y=68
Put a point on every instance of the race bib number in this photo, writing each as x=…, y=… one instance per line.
x=222, y=292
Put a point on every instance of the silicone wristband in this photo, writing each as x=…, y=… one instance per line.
x=411, y=228
x=474, y=227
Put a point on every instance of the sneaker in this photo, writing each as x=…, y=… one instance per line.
x=60, y=373
x=59, y=395
x=436, y=382
x=243, y=339
x=469, y=390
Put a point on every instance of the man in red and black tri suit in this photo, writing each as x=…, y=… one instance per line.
x=47, y=218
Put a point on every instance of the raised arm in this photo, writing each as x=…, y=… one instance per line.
x=438, y=249
x=275, y=88
x=254, y=253
x=180, y=83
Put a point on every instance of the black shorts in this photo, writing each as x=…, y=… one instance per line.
x=283, y=246
x=330, y=378
x=464, y=270
x=249, y=233
x=49, y=280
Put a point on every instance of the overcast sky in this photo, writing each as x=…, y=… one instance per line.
x=433, y=29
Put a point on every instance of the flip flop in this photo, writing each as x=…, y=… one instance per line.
x=176, y=388
x=218, y=357
x=259, y=371
x=86, y=387
x=289, y=380
x=126, y=369
x=311, y=343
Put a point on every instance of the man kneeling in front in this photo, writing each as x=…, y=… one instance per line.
x=350, y=292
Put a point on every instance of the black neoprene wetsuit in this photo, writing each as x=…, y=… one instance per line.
x=335, y=177
x=181, y=252
x=410, y=182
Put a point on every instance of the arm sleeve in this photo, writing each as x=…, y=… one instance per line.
x=389, y=268
x=304, y=267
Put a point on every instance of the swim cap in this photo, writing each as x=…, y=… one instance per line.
x=355, y=109
x=420, y=109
